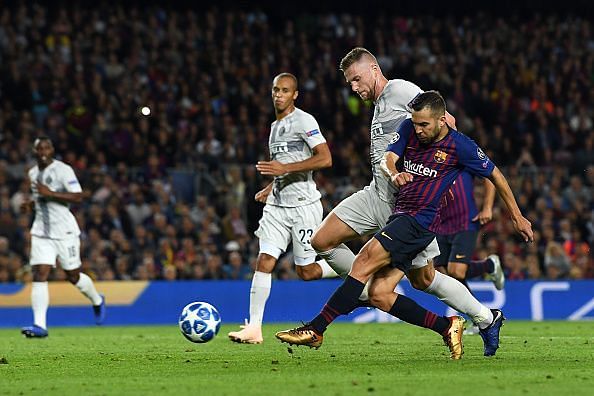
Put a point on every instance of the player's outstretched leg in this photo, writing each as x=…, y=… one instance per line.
x=490, y=334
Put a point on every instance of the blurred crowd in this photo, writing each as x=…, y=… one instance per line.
x=170, y=194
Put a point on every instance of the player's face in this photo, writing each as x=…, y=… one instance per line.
x=44, y=151
x=362, y=77
x=284, y=93
x=427, y=125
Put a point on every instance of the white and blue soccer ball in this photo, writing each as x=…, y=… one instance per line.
x=199, y=322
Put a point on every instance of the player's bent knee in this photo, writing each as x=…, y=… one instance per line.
x=457, y=271
x=265, y=263
x=320, y=243
x=379, y=299
x=420, y=282
x=370, y=259
x=309, y=272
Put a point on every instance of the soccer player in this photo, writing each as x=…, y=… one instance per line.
x=433, y=157
x=55, y=234
x=366, y=211
x=293, y=208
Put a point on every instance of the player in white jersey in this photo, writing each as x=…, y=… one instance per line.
x=366, y=211
x=293, y=208
x=55, y=234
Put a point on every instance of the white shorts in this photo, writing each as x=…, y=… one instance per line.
x=364, y=211
x=280, y=226
x=46, y=251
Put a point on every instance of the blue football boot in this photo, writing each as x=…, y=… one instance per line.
x=99, y=311
x=490, y=335
x=34, y=331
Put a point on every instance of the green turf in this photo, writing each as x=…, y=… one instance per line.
x=550, y=358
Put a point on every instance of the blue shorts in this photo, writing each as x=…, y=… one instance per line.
x=410, y=245
x=456, y=248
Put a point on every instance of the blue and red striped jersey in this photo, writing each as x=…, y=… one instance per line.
x=434, y=167
x=458, y=207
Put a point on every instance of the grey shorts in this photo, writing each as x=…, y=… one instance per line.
x=364, y=211
x=281, y=226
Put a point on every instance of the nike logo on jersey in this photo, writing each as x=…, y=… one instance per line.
x=386, y=235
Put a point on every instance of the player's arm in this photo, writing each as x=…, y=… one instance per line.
x=474, y=159
x=521, y=224
x=451, y=121
x=393, y=153
x=65, y=197
x=72, y=191
x=262, y=195
x=486, y=213
x=28, y=205
x=388, y=166
x=320, y=159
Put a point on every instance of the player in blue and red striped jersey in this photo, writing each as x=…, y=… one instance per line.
x=434, y=156
x=458, y=230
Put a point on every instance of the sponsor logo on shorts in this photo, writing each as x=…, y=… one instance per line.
x=460, y=256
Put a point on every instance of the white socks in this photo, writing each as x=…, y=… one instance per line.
x=340, y=258
x=261, y=284
x=39, y=303
x=85, y=285
x=454, y=294
x=327, y=271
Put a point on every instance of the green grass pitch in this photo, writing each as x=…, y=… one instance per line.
x=547, y=358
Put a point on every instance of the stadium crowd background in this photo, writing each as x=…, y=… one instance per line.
x=171, y=194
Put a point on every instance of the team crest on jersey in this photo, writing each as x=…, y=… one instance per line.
x=48, y=180
x=480, y=153
x=440, y=156
x=281, y=132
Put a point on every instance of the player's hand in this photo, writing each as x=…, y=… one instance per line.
x=43, y=190
x=262, y=195
x=402, y=178
x=524, y=228
x=484, y=216
x=271, y=168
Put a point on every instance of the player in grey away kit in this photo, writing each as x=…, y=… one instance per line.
x=366, y=211
x=293, y=208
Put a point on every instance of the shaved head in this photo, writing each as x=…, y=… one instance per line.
x=289, y=76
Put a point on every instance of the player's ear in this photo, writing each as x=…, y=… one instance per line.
x=442, y=121
x=295, y=94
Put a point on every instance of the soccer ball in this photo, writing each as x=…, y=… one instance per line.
x=199, y=322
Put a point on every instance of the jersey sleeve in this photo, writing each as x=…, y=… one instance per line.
x=311, y=132
x=407, y=92
x=398, y=143
x=472, y=157
x=70, y=181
